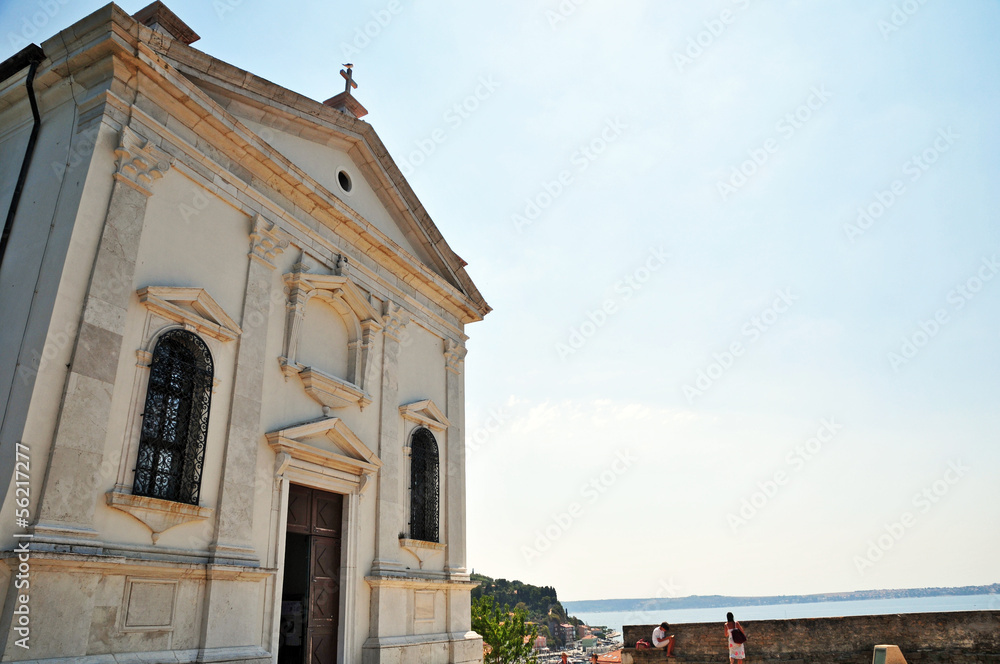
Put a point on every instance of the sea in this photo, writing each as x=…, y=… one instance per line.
x=860, y=607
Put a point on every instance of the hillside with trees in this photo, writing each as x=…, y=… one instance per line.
x=540, y=604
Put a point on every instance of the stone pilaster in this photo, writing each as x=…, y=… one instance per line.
x=76, y=469
x=454, y=509
x=465, y=645
x=390, y=480
x=224, y=596
x=234, y=512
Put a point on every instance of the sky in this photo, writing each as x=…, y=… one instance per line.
x=743, y=263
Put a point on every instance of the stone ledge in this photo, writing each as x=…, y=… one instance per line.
x=238, y=654
x=155, y=513
x=955, y=637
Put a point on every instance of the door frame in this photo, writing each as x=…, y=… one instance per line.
x=298, y=462
x=346, y=641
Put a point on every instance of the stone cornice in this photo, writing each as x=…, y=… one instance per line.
x=274, y=172
x=77, y=563
x=377, y=163
x=171, y=62
x=110, y=31
x=418, y=583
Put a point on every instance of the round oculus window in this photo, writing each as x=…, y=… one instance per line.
x=344, y=180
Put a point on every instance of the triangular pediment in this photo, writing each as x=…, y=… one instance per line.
x=343, y=449
x=319, y=141
x=427, y=413
x=191, y=307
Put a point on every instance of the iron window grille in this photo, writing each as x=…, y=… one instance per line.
x=175, y=420
x=424, y=486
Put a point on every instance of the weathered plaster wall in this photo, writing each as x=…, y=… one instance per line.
x=963, y=637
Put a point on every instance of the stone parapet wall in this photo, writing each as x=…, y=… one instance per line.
x=964, y=637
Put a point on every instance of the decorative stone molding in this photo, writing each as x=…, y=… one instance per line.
x=148, y=605
x=193, y=308
x=421, y=550
x=330, y=391
x=394, y=320
x=362, y=322
x=166, y=308
x=419, y=583
x=454, y=355
x=425, y=413
x=296, y=458
x=266, y=243
x=140, y=163
x=155, y=513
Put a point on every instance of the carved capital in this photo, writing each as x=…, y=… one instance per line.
x=140, y=163
x=454, y=355
x=394, y=320
x=266, y=243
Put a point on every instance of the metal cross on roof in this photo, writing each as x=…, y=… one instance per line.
x=348, y=76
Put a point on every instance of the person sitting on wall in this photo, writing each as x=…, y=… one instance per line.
x=662, y=640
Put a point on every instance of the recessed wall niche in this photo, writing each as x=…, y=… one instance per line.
x=330, y=330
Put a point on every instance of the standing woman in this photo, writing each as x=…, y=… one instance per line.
x=736, y=651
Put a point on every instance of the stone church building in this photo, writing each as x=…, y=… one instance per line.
x=232, y=349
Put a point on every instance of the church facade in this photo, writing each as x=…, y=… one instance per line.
x=232, y=350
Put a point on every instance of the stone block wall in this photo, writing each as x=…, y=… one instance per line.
x=964, y=637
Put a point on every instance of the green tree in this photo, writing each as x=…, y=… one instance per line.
x=509, y=639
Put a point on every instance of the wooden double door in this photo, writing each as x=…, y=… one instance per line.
x=310, y=594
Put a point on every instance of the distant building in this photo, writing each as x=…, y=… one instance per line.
x=540, y=643
x=568, y=632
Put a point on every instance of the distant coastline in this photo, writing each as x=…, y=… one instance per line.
x=716, y=601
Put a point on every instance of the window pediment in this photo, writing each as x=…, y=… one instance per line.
x=193, y=308
x=425, y=413
x=295, y=451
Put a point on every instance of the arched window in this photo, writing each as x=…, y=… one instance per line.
x=424, y=483
x=175, y=421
